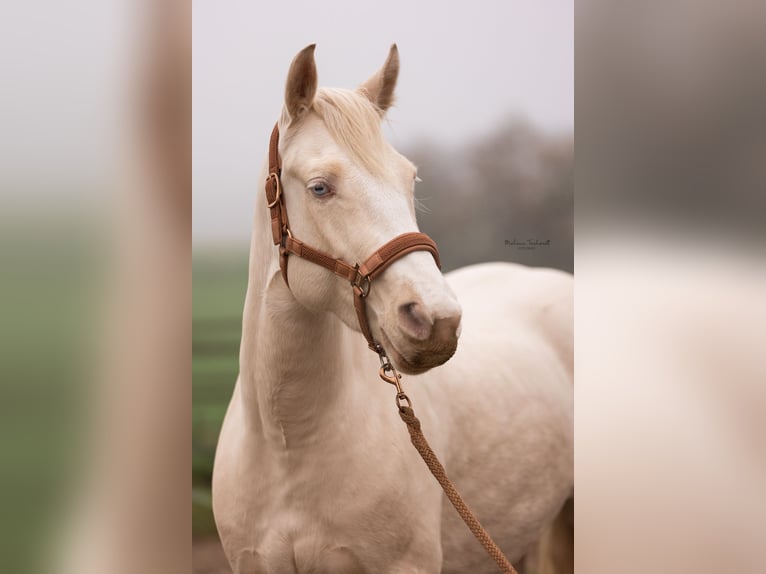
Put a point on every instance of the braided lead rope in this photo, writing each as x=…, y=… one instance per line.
x=389, y=374
x=436, y=468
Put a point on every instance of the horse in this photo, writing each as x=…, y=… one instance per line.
x=314, y=472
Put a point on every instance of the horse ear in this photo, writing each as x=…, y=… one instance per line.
x=380, y=87
x=301, y=83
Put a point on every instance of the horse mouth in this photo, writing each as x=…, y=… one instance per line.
x=420, y=362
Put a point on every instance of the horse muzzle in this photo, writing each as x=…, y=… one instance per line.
x=419, y=342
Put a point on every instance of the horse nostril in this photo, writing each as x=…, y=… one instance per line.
x=414, y=321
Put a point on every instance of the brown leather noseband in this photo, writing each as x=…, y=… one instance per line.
x=360, y=275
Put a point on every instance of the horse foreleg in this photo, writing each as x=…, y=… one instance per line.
x=556, y=554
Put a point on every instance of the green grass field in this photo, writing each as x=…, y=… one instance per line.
x=219, y=281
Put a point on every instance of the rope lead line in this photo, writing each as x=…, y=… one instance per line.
x=436, y=468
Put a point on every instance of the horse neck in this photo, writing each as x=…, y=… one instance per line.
x=293, y=361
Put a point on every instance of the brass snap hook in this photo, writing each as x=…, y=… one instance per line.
x=389, y=374
x=393, y=378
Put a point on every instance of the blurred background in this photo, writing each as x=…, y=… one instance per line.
x=95, y=250
x=484, y=108
x=670, y=296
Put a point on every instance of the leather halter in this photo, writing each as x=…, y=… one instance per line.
x=360, y=275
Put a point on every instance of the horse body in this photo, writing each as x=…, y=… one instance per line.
x=314, y=471
x=504, y=404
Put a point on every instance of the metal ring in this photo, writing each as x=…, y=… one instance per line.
x=364, y=285
x=402, y=397
x=278, y=196
x=362, y=282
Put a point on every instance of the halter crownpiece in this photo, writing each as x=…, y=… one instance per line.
x=360, y=275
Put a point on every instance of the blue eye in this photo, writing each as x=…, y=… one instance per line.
x=319, y=189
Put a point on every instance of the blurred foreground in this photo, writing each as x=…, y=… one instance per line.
x=95, y=298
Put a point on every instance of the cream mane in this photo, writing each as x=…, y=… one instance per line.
x=353, y=122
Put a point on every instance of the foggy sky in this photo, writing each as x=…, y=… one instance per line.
x=464, y=67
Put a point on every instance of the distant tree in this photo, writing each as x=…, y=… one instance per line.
x=489, y=200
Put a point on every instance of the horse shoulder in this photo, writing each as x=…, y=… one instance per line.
x=509, y=298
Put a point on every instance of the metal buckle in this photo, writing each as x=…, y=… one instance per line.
x=362, y=282
x=285, y=234
x=278, y=185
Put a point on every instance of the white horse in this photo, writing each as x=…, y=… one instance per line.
x=314, y=471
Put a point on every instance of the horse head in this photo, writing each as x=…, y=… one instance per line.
x=348, y=191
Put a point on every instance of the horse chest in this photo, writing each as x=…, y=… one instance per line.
x=283, y=550
x=299, y=530
x=320, y=514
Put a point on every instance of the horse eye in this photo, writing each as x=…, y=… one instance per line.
x=319, y=189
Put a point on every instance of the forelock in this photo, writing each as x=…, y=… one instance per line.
x=354, y=124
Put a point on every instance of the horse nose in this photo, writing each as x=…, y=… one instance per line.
x=418, y=325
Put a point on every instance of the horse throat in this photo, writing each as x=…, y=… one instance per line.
x=292, y=368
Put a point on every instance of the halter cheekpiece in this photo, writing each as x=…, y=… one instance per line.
x=360, y=275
